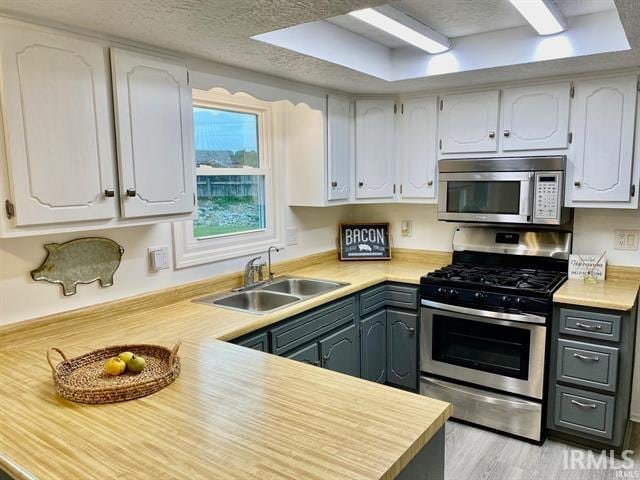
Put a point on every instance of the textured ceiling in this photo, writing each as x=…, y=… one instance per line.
x=220, y=30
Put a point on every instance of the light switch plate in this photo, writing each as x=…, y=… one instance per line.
x=626, y=239
x=158, y=258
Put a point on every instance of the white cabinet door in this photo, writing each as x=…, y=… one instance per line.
x=374, y=149
x=339, y=147
x=154, y=123
x=603, y=119
x=58, y=128
x=419, y=149
x=535, y=117
x=469, y=122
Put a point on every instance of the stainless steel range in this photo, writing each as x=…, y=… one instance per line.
x=484, y=322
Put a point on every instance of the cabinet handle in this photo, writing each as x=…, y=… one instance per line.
x=588, y=327
x=131, y=192
x=316, y=363
x=576, y=183
x=325, y=359
x=334, y=184
x=412, y=331
x=507, y=133
x=430, y=182
x=361, y=184
x=109, y=192
x=492, y=134
x=584, y=405
x=584, y=357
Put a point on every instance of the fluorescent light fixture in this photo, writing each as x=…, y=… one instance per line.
x=542, y=15
x=402, y=26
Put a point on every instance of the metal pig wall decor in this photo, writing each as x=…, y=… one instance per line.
x=83, y=260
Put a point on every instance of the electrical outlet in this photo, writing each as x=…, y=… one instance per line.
x=406, y=228
x=158, y=258
x=626, y=239
x=292, y=236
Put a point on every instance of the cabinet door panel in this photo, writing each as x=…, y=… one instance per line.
x=419, y=149
x=374, y=149
x=339, y=147
x=309, y=354
x=373, y=347
x=339, y=351
x=603, y=131
x=58, y=126
x=535, y=117
x=469, y=122
x=402, y=348
x=154, y=122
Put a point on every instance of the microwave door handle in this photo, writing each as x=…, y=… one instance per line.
x=527, y=188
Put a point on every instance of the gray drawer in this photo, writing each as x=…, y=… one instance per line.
x=590, y=324
x=583, y=411
x=588, y=365
x=309, y=326
x=257, y=342
x=388, y=296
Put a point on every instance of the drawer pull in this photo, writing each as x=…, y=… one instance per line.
x=584, y=405
x=584, y=357
x=588, y=327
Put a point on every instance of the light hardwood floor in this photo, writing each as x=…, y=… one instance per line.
x=476, y=454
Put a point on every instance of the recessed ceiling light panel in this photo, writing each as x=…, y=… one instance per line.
x=543, y=15
x=404, y=27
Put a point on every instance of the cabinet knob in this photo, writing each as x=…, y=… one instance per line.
x=334, y=184
x=361, y=184
x=325, y=359
x=109, y=192
x=412, y=331
x=576, y=183
x=507, y=133
x=131, y=192
x=316, y=363
x=430, y=182
x=492, y=134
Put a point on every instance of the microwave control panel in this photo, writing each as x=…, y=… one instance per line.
x=547, y=196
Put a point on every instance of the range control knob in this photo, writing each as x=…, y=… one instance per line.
x=441, y=292
x=506, y=301
x=521, y=302
x=479, y=297
x=453, y=293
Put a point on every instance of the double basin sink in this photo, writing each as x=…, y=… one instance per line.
x=272, y=295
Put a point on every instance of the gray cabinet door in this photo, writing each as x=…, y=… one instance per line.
x=402, y=348
x=309, y=354
x=373, y=347
x=257, y=342
x=339, y=351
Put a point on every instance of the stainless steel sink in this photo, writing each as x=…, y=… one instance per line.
x=302, y=287
x=273, y=295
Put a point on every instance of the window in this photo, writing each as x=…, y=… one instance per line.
x=238, y=209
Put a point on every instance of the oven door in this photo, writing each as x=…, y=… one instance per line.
x=474, y=347
x=502, y=197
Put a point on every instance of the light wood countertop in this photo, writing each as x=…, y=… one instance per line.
x=232, y=413
x=615, y=294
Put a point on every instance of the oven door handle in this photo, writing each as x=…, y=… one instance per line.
x=514, y=317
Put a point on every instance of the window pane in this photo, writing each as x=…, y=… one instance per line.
x=225, y=139
x=229, y=204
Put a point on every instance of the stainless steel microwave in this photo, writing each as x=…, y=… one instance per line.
x=503, y=190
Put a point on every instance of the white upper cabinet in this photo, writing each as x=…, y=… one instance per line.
x=154, y=124
x=339, y=147
x=603, y=119
x=419, y=148
x=58, y=127
x=535, y=117
x=374, y=149
x=469, y=122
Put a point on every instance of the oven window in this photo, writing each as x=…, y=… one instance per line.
x=483, y=197
x=482, y=346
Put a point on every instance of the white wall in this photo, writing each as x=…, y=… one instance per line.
x=22, y=298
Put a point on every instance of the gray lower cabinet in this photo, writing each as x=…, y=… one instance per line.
x=402, y=354
x=590, y=375
x=373, y=347
x=257, y=342
x=309, y=354
x=339, y=351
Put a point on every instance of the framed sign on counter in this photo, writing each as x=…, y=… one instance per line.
x=365, y=241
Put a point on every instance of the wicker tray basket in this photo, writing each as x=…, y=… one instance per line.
x=82, y=379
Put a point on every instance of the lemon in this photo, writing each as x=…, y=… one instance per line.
x=114, y=366
x=125, y=356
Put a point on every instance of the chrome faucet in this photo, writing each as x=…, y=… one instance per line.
x=271, y=274
x=250, y=270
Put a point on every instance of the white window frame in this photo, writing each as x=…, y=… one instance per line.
x=189, y=250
